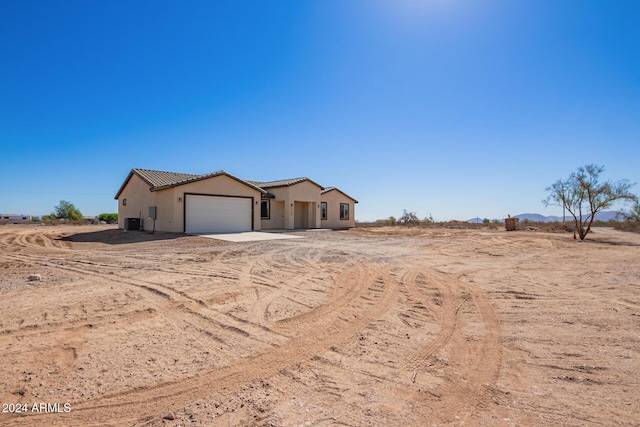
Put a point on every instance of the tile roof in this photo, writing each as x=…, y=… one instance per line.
x=326, y=190
x=283, y=182
x=279, y=183
x=159, y=180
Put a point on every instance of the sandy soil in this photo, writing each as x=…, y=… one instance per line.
x=366, y=327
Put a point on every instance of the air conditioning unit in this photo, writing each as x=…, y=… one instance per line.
x=132, y=224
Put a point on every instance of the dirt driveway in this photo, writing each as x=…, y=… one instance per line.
x=366, y=327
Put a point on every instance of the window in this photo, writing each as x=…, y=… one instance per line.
x=323, y=210
x=344, y=210
x=265, y=211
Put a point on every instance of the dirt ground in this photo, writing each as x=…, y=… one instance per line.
x=367, y=327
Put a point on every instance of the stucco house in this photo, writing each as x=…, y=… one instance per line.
x=220, y=202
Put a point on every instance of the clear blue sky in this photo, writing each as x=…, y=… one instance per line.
x=451, y=108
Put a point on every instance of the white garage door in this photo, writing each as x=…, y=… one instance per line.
x=214, y=214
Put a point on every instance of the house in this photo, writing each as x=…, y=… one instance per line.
x=220, y=202
x=15, y=219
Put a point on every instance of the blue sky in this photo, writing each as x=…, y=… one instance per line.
x=451, y=108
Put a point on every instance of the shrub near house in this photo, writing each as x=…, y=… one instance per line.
x=109, y=218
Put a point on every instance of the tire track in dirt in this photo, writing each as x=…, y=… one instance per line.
x=29, y=239
x=468, y=393
x=168, y=303
x=484, y=360
x=278, y=286
x=163, y=295
x=180, y=301
x=132, y=406
x=447, y=315
x=349, y=285
x=44, y=329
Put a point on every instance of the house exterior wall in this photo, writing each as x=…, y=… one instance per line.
x=333, y=200
x=220, y=185
x=304, y=217
x=294, y=206
x=276, y=220
x=138, y=199
x=165, y=221
x=170, y=201
x=303, y=191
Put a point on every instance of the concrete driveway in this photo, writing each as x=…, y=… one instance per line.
x=249, y=236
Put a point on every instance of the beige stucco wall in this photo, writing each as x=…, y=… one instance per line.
x=170, y=202
x=166, y=204
x=304, y=214
x=287, y=210
x=138, y=198
x=303, y=191
x=220, y=185
x=333, y=199
x=276, y=220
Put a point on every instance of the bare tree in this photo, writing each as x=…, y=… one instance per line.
x=634, y=213
x=582, y=195
x=409, y=218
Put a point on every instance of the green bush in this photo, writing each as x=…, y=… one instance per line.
x=66, y=210
x=109, y=218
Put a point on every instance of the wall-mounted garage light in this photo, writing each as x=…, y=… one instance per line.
x=179, y=199
x=124, y=202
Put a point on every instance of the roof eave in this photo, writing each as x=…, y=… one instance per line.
x=207, y=176
x=330, y=189
x=289, y=184
x=126, y=181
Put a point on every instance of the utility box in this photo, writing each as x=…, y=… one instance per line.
x=153, y=212
x=132, y=224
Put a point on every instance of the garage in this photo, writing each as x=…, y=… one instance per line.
x=217, y=214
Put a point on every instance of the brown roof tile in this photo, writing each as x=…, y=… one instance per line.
x=159, y=180
x=283, y=182
x=326, y=190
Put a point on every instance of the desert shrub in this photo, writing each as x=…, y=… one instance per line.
x=409, y=218
x=633, y=226
x=109, y=218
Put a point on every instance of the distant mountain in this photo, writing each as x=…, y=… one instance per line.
x=534, y=217
x=609, y=215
